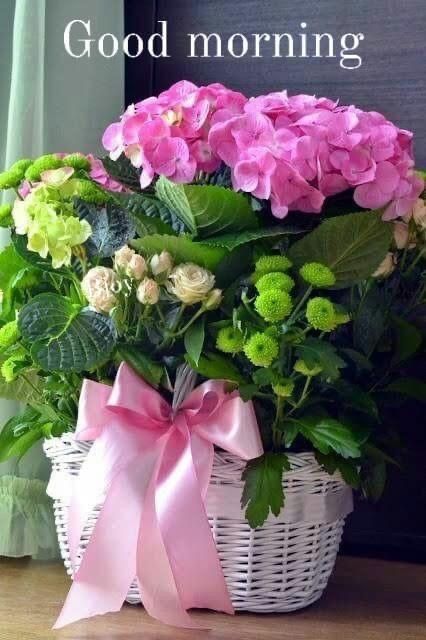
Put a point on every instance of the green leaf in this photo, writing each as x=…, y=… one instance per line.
x=354, y=397
x=352, y=246
x=216, y=367
x=359, y=360
x=263, y=487
x=141, y=363
x=142, y=206
x=408, y=340
x=207, y=210
x=20, y=389
x=371, y=319
x=318, y=352
x=123, y=171
x=373, y=476
x=410, y=387
x=328, y=434
x=247, y=391
x=232, y=240
x=182, y=248
x=19, y=434
x=63, y=337
x=264, y=377
x=112, y=228
x=11, y=263
x=194, y=340
x=348, y=468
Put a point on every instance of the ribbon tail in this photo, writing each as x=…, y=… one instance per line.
x=108, y=566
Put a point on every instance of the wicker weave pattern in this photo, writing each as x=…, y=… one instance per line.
x=280, y=567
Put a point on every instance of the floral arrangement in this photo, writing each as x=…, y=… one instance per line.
x=194, y=242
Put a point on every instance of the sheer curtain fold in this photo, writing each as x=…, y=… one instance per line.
x=48, y=102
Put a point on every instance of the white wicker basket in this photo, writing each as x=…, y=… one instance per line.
x=282, y=566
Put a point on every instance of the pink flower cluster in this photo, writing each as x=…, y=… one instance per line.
x=168, y=135
x=292, y=150
x=98, y=174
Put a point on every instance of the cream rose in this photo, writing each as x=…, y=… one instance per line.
x=190, y=283
x=386, y=267
x=127, y=260
x=148, y=292
x=98, y=287
x=161, y=264
x=123, y=256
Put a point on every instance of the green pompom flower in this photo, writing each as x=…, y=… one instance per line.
x=261, y=349
x=9, y=369
x=10, y=179
x=317, y=274
x=21, y=166
x=43, y=163
x=320, y=314
x=268, y=264
x=77, y=161
x=273, y=305
x=9, y=335
x=275, y=280
x=6, y=219
x=230, y=340
x=302, y=367
x=86, y=190
x=284, y=388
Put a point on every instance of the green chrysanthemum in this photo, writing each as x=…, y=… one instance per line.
x=6, y=219
x=230, y=340
x=21, y=166
x=284, y=388
x=268, y=264
x=275, y=280
x=43, y=163
x=86, y=190
x=302, y=367
x=9, y=369
x=317, y=274
x=9, y=334
x=261, y=350
x=77, y=161
x=10, y=179
x=320, y=314
x=273, y=305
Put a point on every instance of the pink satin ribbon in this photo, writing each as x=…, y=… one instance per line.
x=154, y=467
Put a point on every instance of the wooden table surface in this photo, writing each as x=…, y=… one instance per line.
x=365, y=600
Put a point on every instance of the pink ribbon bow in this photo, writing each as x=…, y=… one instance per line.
x=153, y=466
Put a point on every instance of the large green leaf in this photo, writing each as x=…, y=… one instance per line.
x=11, y=263
x=142, y=206
x=216, y=367
x=207, y=210
x=263, y=487
x=149, y=370
x=22, y=390
x=64, y=337
x=112, y=228
x=352, y=246
x=182, y=248
x=232, y=240
x=328, y=434
x=318, y=352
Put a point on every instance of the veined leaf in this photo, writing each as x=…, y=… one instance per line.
x=63, y=337
x=112, y=228
x=182, y=248
x=317, y=352
x=263, y=487
x=232, y=240
x=142, y=206
x=194, y=340
x=123, y=171
x=352, y=246
x=216, y=367
x=328, y=434
x=207, y=210
x=20, y=390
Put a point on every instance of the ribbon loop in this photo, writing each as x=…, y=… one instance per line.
x=153, y=465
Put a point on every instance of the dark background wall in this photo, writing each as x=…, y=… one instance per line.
x=391, y=79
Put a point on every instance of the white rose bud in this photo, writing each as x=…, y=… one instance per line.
x=161, y=264
x=136, y=267
x=400, y=236
x=190, y=283
x=98, y=287
x=419, y=214
x=214, y=300
x=123, y=256
x=148, y=292
x=386, y=267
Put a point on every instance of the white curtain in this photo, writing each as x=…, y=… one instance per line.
x=49, y=102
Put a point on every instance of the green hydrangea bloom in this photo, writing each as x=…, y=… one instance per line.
x=275, y=280
x=284, y=388
x=77, y=161
x=320, y=314
x=302, y=367
x=268, y=264
x=9, y=370
x=230, y=340
x=261, y=349
x=21, y=166
x=9, y=335
x=6, y=219
x=273, y=305
x=43, y=163
x=10, y=179
x=317, y=274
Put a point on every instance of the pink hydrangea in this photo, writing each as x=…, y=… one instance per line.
x=98, y=174
x=292, y=150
